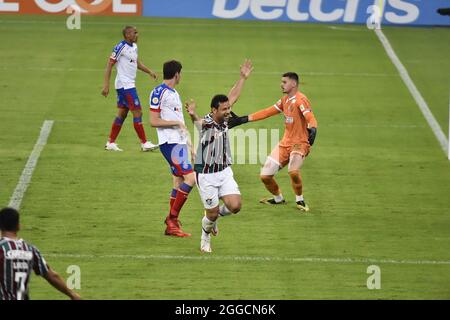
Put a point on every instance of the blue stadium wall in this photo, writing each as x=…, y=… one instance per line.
x=394, y=12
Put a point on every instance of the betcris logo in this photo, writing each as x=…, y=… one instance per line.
x=402, y=12
x=314, y=10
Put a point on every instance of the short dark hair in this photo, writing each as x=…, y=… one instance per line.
x=125, y=30
x=217, y=100
x=9, y=219
x=292, y=75
x=170, y=68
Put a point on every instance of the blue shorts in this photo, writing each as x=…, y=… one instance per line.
x=177, y=156
x=128, y=98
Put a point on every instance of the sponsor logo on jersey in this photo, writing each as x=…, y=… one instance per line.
x=19, y=255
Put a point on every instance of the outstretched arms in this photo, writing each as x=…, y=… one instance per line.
x=235, y=120
x=263, y=114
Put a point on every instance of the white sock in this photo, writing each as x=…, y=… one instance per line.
x=224, y=211
x=278, y=198
x=299, y=198
x=207, y=226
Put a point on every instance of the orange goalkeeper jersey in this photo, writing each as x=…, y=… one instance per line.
x=298, y=116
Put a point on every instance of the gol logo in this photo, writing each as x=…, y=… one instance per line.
x=94, y=8
x=103, y=7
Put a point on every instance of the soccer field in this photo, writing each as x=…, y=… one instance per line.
x=377, y=180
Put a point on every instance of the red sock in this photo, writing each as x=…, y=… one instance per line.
x=173, y=196
x=139, y=128
x=182, y=195
x=115, y=129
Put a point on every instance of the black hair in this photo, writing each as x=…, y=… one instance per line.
x=125, y=30
x=292, y=75
x=217, y=100
x=170, y=68
x=9, y=219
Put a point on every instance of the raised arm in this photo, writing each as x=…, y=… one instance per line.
x=235, y=92
x=190, y=108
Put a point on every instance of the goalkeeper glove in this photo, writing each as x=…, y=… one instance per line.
x=235, y=120
x=312, y=135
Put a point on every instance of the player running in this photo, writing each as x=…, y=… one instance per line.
x=299, y=135
x=167, y=117
x=214, y=176
x=125, y=57
x=18, y=259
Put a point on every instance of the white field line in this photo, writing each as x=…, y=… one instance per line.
x=231, y=72
x=252, y=259
x=345, y=29
x=440, y=136
x=25, y=178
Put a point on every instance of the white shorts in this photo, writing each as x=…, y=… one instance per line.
x=213, y=186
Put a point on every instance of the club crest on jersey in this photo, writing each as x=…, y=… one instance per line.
x=155, y=100
x=289, y=120
x=208, y=202
x=302, y=107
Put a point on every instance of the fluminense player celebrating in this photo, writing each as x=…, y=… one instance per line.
x=294, y=147
x=167, y=117
x=213, y=159
x=125, y=57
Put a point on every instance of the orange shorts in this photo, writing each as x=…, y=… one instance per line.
x=282, y=154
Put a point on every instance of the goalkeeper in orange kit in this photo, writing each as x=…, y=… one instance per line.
x=299, y=135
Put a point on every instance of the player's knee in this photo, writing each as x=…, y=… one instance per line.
x=137, y=114
x=266, y=179
x=212, y=214
x=121, y=117
x=295, y=176
x=189, y=179
x=122, y=113
x=235, y=207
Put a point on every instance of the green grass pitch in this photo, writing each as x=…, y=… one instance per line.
x=377, y=181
